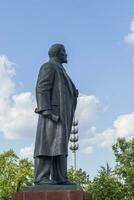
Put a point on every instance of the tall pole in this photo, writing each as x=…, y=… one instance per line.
x=74, y=160
x=74, y=142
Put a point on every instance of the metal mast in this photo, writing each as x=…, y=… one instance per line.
x=74, y=142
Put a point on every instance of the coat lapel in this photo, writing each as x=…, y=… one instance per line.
x=69, y=81
x=70, y=84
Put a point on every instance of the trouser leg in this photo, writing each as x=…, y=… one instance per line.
x=42, y=168
x=59, y=168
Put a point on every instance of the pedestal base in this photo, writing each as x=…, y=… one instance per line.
x=54, y=188
x=51, y=195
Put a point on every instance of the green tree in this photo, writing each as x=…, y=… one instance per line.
x=105, y=185
x=79, y=177
x=106, y=170
x=124, y=153
x=15, y=174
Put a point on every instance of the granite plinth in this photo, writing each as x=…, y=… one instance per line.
x=47, y=187
x=51, y=195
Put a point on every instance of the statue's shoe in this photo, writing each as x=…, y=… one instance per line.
x=46, y=182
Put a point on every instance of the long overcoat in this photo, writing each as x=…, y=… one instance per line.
x=55, y=91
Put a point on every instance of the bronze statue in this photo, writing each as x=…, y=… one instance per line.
x=56, y=97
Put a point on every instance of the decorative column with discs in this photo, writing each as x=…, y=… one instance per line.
x=74, y=142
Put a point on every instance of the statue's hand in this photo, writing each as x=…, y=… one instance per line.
x=47, y=113
x=77, y=93
x=50, y=115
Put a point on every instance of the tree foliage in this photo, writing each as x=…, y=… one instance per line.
x=124, y=154
x=15, y=174
x=117, y=184
x=79, y=177
x=105, y=185
x=108, y=184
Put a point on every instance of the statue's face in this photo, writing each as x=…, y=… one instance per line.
x=62, y=55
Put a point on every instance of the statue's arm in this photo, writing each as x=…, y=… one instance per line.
x=43, y=89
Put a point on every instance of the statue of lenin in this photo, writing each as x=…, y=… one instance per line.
x=56, y=97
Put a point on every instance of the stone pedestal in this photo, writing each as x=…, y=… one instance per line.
x=54, y=195
x=50, y=192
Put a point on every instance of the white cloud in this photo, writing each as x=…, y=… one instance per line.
x=123, y=126
x=88, y=150
x=17, y=116
x=7, y=72
x=27, y=152
x=86, y=113
x=130, y=37
x=20, y=121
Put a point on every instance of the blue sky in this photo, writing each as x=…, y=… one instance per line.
x=99, y=38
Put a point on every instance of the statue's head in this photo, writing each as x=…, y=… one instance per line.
x=58, y=52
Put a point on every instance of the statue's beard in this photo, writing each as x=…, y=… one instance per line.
x=65, y=61
x=60, y=59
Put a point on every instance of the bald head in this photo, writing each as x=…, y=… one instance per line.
x=58, y=51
